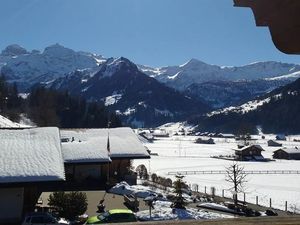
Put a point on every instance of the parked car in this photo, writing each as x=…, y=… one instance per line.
x=41, y=218
x=113, y=216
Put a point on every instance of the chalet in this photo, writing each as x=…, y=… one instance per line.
x=88, y=158
x=160, y=133
x=30, y=159
x=205, y=141
x=148, y=136
x=249, y=153
x=287, y=153
x=39, y=159
x=221, y=135
x=280, y=137
x=272, y=143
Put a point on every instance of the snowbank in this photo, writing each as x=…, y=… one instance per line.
x=125, y=189
x=163, y=211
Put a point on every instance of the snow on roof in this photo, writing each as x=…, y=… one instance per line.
x=290, y=150
x=90, y=145
x=249, y=146
x=31, y=155
x=84, y=146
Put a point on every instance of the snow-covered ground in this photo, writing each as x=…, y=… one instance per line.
x=179, y=153
x=162, y=207
x=163, y=211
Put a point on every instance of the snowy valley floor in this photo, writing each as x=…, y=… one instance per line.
x=179, y=153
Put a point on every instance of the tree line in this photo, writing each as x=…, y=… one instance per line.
x=48, y=107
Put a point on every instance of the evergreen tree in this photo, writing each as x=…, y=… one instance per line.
x=179, y=201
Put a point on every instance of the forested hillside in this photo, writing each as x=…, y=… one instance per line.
x=46, y=107
x=276, y=112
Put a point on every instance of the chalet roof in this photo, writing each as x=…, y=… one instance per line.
x=31, y=155
x=289, y=150
x=275, y=143
x=272, y=141
x=227, y=135
x=90, y=145
x=249, y=146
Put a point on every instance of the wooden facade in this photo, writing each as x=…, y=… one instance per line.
x=286, y=154
x=96, y=175
x=249, y=153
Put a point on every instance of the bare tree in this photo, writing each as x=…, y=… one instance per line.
x=236, y=176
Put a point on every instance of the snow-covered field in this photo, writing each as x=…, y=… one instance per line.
x=179, y=153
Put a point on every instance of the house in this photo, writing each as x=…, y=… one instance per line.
x=30, y=160
x=280, y=137
x=272, y=143
x=160, y=133
x=205, y=141
x=249, y=153
x=87, y=159
x=287, y=153
x=34, y=160
x=221, y=135
x=148, y=136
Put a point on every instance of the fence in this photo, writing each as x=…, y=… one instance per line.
x=243, y=197
x=225, y=172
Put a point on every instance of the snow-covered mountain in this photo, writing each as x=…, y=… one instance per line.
x=221, y=94
x=101, y=79
x=275, y=112
x=27, y=68
x=196, y=72
x=137, y=98
x=223, y=86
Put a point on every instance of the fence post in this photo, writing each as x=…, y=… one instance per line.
x=205, y=189
x=270, y=202
x=256, y=200
x=286, y=206
x=244, y=197
x=223, y=193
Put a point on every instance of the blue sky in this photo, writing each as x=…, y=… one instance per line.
x=152, y=32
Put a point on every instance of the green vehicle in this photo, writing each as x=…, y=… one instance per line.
x=113, y=216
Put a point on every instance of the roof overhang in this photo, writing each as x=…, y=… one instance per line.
x=283, y=19
x=130, y=157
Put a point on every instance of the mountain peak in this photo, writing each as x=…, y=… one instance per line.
x=113, y=65
x=193, y=62
x=58, y=50
x=14, y=50
x=121, y=61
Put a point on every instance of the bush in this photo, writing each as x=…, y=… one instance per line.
x=69, y=205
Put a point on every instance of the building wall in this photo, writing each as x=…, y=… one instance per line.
x=80, y=173
x=118, y=168
x=280, y=155
x=284, y=155
x=249, y=152
x=11, y=204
